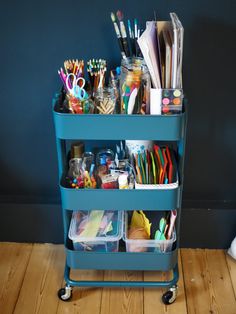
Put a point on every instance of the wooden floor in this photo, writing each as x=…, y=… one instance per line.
x=31, y=274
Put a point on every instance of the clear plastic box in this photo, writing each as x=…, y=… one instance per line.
x=160, y=246
x=101, y=242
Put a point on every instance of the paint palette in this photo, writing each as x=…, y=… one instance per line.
x=171, y=101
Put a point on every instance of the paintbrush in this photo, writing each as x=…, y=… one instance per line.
x=131, y=36
x=113, y=18
x=120, y=16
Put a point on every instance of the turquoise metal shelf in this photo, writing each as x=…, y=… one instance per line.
x=89, y=199
x=118, y=127
x=121, y=260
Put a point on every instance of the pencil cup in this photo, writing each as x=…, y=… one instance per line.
x=105, y=100
x=135, y=147
x=134, y=86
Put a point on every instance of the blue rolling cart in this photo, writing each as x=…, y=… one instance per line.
x=133, y=127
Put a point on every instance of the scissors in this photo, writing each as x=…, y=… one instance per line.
x=75, y=86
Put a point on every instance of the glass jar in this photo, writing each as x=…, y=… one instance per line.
x=114, y=83
x=79, y=106
x=135, y=86
x=88, y=160
x=105, y=100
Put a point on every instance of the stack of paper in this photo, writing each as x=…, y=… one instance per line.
x=148, y=44
x=177, y=55
x=162, y=47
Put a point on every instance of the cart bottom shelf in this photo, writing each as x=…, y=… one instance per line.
x=121, y=260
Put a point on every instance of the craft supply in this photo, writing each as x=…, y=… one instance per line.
x=138, y=234
x=135, y=86
x=105, y=100
x=77, y=150
x=74, y=66
x=170, y=229
x=93, y=224
x=75, y=165
x=120, y=17
x=132, y=41
x=171, y=100
x=139, y=220
x=118, y=34
x=160, y=233
x=75, y=86
x=114, y=83
x=148, y=43
x=138, y=52
x=105, y=156
x=123, y=182
x=80, y=106
x=156, y=165
x=96, y=69
x=109, y=181
x=88, y=160
x=139, y=229
x=128, y=44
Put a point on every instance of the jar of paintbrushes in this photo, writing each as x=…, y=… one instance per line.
x=134, y=86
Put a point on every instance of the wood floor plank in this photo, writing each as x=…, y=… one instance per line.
x=84, y=300
x=152, y=296
x=122, y=300
x=221, y=285
x=30, y=276
x=232, y=270
x=43, y=278
x=207, y=282
x=13, y=262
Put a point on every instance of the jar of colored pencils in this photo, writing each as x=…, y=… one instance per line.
x=135, y=86
x=105, y=100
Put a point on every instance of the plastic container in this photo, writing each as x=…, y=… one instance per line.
x=108, y=242
x=167, y=186
x=159, y=246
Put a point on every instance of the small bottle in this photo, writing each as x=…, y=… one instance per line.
x=131, y=181
x=123, y=182
x=77, y=150
x=102, y=168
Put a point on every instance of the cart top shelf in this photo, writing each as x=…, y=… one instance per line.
x=118, y=126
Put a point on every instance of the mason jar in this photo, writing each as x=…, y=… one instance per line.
x=105, y=100
x=135, y=86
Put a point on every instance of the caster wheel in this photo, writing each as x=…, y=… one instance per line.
x=65, y=294
x=170, y=295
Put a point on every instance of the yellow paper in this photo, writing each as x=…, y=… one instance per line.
x=93, y=224
x=139, y=220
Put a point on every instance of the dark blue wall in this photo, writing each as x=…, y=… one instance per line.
x=37, y=36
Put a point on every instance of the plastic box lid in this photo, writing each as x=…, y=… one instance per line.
x=116, y=217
